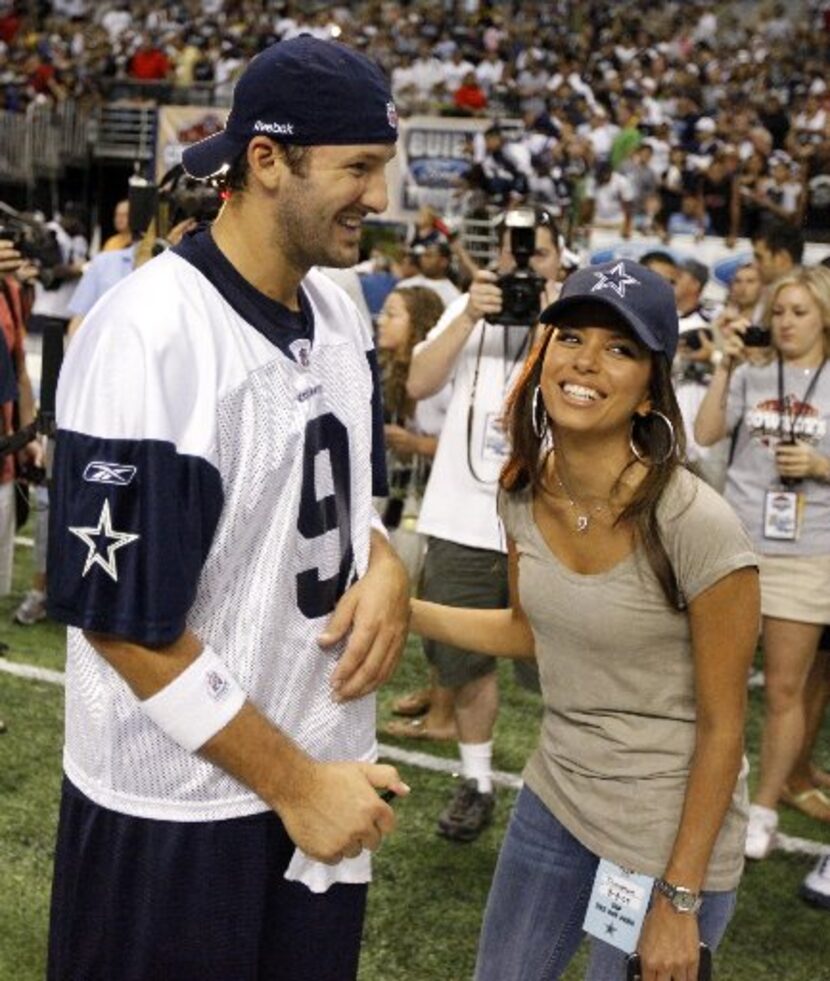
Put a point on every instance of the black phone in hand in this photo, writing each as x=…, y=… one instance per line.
x=704, y=968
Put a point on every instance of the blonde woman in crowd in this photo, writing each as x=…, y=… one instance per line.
x=779, y=483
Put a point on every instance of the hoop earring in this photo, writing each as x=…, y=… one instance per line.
x=642, y=457
x=538, y=414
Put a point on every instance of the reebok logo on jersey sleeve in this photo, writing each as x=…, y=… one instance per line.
x=117, y=474
x=217, y=685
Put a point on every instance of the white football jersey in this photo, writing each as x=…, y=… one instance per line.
x=214, y=469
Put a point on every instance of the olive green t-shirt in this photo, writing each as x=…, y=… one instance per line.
x=617, y=676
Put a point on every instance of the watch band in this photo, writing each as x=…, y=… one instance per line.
x=682, y=899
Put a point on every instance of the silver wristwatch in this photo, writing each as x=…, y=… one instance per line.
x=682, y=899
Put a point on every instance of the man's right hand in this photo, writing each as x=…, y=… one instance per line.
x=333, y=811
x=10, y=258
x=485, y=296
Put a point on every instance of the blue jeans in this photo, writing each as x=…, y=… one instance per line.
x=533, y=921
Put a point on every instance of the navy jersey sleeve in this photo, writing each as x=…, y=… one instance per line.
x=134, y=503
x=380, y=481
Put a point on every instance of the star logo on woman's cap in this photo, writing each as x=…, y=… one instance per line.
x=615, y=279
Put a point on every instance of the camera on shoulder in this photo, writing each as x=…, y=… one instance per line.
x=35, y=241
x=521, y=290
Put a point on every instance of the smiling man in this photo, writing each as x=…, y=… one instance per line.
x=232, y=603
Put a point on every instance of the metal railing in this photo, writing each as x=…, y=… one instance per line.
x=125, y=130
x=43, y=140
x=165, y=93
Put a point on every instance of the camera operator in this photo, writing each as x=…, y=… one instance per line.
x=52, y=293
x=111, y=266
x=479, y=345
x=778, y=481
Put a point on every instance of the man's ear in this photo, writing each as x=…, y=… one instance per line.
x=266, y=161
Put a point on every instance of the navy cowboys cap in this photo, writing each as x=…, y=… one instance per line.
x=644, y=300
x=303, y=91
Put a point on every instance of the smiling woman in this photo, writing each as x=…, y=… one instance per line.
x=624, y=568
x=777, y=413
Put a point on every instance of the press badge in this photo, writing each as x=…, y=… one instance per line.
x=618, y=905
x=495, y=446
x=782, y=515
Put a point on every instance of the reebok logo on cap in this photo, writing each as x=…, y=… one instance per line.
x=274, y=129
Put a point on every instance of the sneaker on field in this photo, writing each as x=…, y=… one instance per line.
x=32, y=610
x=816, y=886
x=760, y=835
x=469, y=813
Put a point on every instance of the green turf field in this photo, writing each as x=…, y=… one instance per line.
x=426, y=903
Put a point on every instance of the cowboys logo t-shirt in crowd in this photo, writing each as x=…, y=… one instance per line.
x=209, y=436
x=762, y=420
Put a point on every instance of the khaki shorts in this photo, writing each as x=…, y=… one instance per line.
x=457, y=575
x=796, y=587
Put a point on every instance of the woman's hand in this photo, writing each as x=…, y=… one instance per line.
x=799, y=460
x=401, y=441
x=734, y=347
x=669, y=946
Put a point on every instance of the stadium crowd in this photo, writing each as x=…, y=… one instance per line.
x=700, y=119
x=697, y=117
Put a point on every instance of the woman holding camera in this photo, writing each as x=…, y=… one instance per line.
x=779, y=483
x=625, y=570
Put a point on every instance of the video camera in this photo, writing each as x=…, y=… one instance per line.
x=177, y=196
x=521, y=290
x=35, y=241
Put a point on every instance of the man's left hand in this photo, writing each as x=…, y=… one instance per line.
x=376, y=610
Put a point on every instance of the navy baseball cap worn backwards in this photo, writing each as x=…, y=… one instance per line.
x=642, y=299
x=303, y=91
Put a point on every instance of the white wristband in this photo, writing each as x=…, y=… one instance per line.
x=198, y=703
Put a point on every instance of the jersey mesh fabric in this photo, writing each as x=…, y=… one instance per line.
x=292, y=442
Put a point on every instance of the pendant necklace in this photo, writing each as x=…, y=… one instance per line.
x=583, y=514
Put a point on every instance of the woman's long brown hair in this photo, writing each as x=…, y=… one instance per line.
x=424, y=307
x=526, y=463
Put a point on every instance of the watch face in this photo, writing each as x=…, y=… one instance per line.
x=684, y=901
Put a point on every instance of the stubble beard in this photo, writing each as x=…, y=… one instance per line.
x=306, y=242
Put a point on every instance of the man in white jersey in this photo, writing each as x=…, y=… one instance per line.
x=232, y=602
x=466, y=563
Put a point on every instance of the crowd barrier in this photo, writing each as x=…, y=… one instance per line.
x=43, y=140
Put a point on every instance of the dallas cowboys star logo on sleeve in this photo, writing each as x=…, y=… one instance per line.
x=615, y=279
x=115, y=540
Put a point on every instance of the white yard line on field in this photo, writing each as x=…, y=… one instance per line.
x=425, y=761
x=32, y=672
